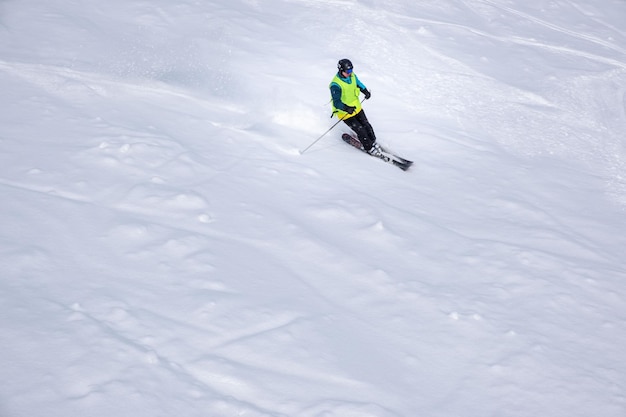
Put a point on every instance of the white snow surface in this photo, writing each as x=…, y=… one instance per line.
x=166, y=250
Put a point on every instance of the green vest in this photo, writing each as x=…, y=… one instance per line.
x=349, y=96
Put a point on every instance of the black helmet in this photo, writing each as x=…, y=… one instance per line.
x=344, y=65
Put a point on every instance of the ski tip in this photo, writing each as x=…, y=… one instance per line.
x=402, y=166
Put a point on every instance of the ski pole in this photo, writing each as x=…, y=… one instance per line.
x=325, y=133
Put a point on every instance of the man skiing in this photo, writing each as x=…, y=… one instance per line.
x=344, y=90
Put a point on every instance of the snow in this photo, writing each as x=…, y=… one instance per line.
x=166, y=250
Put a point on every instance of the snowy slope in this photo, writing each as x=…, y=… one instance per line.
x=165, y=250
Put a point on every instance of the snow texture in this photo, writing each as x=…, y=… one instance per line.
x=166, y=250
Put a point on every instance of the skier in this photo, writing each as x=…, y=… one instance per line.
x=344, y=90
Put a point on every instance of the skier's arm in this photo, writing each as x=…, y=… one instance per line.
x=335, y=92
x=360, y=84
x=362, y=87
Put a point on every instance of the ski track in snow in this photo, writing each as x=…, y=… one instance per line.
x=535, y=43
x=167, y=252
x=514, y=110
x=560, y=29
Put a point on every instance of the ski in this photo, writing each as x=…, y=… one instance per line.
x=396, y=157
x=386, y=156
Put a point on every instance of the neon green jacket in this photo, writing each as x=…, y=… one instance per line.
x=345, y=92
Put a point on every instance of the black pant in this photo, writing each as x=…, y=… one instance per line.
x=363, y=129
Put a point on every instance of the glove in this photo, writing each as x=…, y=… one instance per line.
x=367, y=94
x=350, y=109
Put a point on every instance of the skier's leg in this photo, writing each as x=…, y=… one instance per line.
x=368, y=127
x=361, y=129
